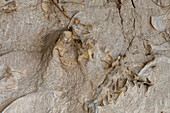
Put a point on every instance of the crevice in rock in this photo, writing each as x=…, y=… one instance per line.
x=130, y=44
x=119, y=9
x=13, y=100
x=4, y=52
x=49, y=43
x=133, y=4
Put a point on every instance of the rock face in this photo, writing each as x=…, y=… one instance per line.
x=84, y=56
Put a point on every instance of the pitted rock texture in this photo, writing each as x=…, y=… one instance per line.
x=34, y=80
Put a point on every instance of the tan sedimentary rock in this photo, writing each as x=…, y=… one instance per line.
x=108, y=56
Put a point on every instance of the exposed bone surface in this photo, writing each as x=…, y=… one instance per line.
x=85, y=56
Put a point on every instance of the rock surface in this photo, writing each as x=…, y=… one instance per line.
x=72, y=56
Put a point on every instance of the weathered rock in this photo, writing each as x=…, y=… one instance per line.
x=34, y=79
